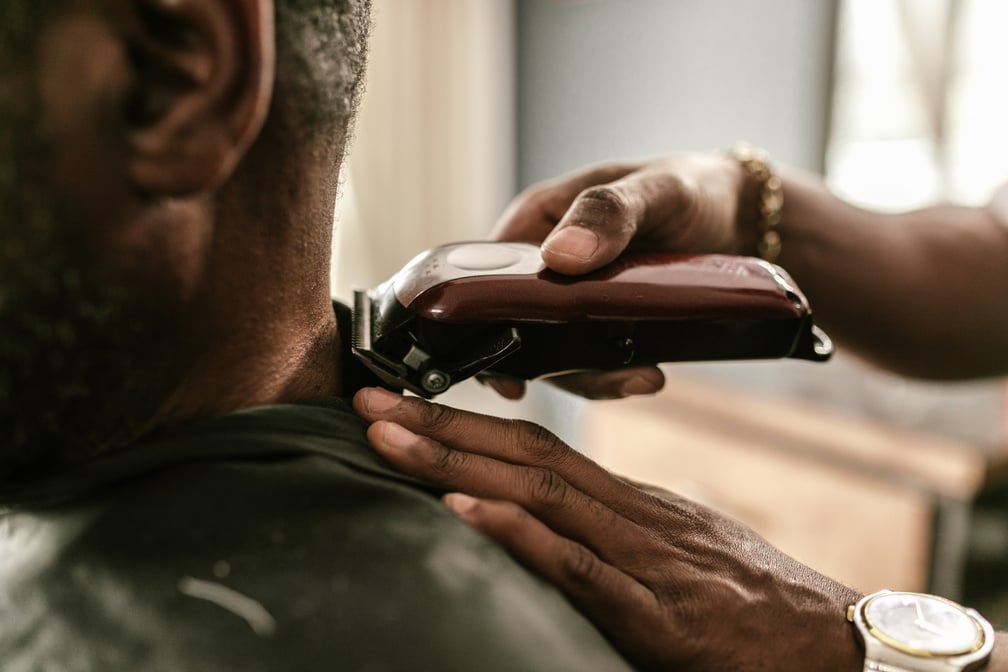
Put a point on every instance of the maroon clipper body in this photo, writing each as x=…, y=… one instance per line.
x=460, y=309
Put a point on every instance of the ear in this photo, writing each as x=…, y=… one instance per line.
x=203, y=81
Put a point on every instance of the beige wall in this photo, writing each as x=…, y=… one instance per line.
x=432, y=161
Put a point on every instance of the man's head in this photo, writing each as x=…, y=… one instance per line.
x=167, y=177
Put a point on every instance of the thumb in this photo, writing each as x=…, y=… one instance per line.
x=597, y=227
x=681, y=205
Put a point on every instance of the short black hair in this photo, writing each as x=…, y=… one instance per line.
x=321, y=58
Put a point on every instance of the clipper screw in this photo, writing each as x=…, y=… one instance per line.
x=435, y=381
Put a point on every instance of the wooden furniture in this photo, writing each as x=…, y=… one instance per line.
x=868, y=504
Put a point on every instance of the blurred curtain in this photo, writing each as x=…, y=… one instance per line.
x=432, y=160
x=919, y=117
x=919, y=103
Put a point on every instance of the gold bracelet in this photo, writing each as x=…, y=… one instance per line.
x=771, y=198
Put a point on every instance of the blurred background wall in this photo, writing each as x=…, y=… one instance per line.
x=433, y=156
x=601, y=80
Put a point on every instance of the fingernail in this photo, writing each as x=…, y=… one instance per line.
x=397, y=436
x=378, y=400
x=637, y=386
x=459, y=503
x=572, y=241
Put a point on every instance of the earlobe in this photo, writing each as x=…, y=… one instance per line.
x=203, y=78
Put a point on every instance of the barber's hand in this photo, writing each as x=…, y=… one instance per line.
x=584, y=220
x=673, y=585
x=679, y=203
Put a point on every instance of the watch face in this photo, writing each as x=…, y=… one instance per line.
x=923, y=625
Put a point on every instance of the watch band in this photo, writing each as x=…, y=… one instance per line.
x=875, y=666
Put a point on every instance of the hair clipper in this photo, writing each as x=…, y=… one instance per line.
x=461, y=309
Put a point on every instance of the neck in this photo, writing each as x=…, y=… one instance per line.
x=262, y=364
x=260, y=328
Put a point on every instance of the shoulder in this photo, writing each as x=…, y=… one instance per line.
x=293, y=563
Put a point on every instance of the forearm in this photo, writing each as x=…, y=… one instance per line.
x=923, y=293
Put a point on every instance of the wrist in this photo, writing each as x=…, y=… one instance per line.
x=844, y=651
x=746, y=209
x=761, y=202
x=815, y=632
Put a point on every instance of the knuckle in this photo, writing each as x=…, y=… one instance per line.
x=437, y=417
x=539, y=200
x=604, y=200
x=447, y=462
x=531, y=197
x=541, y=440
x=687, y=200
x=533, y=192
x=538, y=442
x=686, y=203
x=580, y=566
x=546, y=487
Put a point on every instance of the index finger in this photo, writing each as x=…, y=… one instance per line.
x=541, y=491
x=512, y=441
